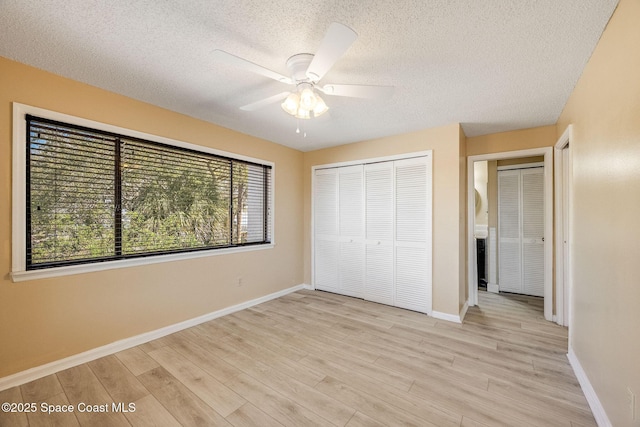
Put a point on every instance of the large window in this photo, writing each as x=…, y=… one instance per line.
x=95, y=195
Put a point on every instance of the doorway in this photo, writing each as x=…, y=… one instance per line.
x=547, y=153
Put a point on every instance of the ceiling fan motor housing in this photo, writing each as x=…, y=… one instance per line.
x=298, y=65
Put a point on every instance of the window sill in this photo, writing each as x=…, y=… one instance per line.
x=22, y=276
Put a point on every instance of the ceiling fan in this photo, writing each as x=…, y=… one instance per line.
x=306, y=72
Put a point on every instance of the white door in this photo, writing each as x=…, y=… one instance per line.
x=325, y=217
x=413, y=234
x=351, y=230
x=533, y=232
x=521, y=231
x=372, y=232
x=379, y=202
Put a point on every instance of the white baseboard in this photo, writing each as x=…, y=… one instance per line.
x=446, y=316
x=106, y=350
x=592, y=398
x=492, y=287
x=463, y=311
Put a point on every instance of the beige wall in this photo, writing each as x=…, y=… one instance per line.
x=604, y=109
x=45, y=320
x=447, y=213
x=544, y=136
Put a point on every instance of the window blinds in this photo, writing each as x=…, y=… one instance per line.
x=94, y=196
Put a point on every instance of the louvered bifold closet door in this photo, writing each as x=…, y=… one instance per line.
x=509, y=234
x=325, y=216
x=533, y=231
x=379, y=202
x=351, y=230
x=413, y=195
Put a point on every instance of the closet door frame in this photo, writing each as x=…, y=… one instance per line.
x=426, y=153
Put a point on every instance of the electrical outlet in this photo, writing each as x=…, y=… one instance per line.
x=631, y=398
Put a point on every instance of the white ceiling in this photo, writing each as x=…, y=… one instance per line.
x=492, y=65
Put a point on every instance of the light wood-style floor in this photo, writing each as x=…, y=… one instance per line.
x=314, y=358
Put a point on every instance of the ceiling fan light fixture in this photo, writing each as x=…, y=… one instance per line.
x=300, y=104
x=290, y=104
x=303, y=114
x=308, y=99
x=320, y=107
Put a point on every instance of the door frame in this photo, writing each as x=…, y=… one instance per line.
x=547, y=152
x=563, y=226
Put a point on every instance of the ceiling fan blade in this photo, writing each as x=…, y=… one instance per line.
x=359, y=91
x=336, y=41
x=222, y=56
x=264, y=102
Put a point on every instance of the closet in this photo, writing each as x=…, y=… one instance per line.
x=521, y=231
x=372, y=231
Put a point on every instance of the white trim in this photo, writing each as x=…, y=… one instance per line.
x=547, y=152
x=373, y=160
x=463, y=311
x=312, y=252
x=521, y=166
x=562, y=289
x=446, y=316
x=19, y=196
x=22, y=276
x=589, y=392
x=18, y=251
x=492, y=250
x=124, y=344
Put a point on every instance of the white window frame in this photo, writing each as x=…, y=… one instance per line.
x=19, y=272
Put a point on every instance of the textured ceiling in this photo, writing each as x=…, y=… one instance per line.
x=493, y=65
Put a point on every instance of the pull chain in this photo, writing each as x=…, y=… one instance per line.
x=304, y=133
